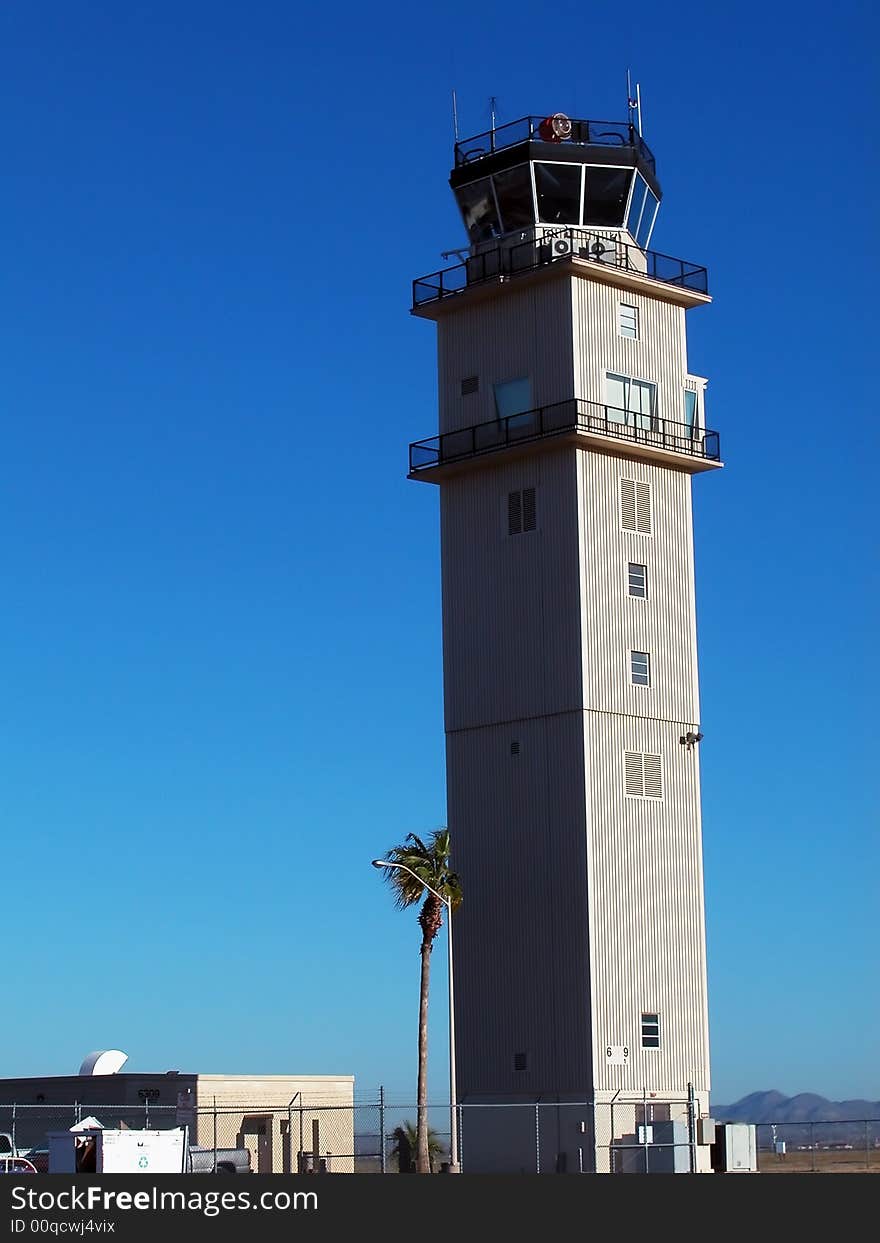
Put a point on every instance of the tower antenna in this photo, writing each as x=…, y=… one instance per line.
x=454, y=115
x=634, y=103
x=492, y=102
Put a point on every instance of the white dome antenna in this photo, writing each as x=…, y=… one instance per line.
x=103, y=1062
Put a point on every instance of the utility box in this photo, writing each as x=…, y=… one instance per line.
x=706, y=1131
x=735, y=1150
x=104, y=1151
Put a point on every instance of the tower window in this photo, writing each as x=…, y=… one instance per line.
x=643, y=775
x=635, y=506
x=521, y=512
x=631, y=402
x=650, y=1031
x=640, y=668
x=628, y=320
x=471, y=384
x=512, y=397
x=637, y=580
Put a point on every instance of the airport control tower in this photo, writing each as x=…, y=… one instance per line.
x=570, y=427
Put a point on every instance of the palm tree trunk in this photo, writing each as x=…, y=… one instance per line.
x=423, y=1165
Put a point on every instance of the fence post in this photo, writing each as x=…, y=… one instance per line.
x=15, y=1145
x=215, y=1135
x=813, y=1147
x=460, y=1158
x=692, y=1127
x=382, y=1144
x=537, y=1138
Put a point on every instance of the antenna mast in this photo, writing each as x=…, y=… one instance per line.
x=454, y=115
x=492, y=102
x=634, y=103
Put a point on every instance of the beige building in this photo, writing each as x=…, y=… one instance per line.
x=273, y=1116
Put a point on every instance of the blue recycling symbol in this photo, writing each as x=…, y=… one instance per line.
x=143, y=1162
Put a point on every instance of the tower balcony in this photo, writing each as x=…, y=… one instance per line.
x=586, y=423
x=598, y=254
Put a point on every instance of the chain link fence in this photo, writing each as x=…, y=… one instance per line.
x=377, y=1136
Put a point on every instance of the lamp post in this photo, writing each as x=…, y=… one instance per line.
x=453, y=1119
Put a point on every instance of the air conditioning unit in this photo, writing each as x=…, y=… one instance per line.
x=601, y=249
x=561, y=246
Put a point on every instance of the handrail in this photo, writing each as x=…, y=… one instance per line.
x=589, y=245
x=528, y=129
x=574, y=415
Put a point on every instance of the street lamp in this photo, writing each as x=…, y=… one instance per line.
x=453, y=1120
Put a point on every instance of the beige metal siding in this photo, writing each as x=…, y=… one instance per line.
x=615, y=623
x=527, y=332
x=658, y=355
x=511, y=613
x=521, y=953
x=647, y=935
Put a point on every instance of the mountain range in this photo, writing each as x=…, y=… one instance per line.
x=805, y=1107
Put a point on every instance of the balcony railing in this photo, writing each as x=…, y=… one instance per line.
x=565, y=416
x=508, y=259
x=527, y=129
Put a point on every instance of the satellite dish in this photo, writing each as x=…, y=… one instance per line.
x=103, y=1062
x=555, y=128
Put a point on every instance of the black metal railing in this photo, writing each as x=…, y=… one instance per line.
x=508, y=258
x=528, y=129
x=573, y=415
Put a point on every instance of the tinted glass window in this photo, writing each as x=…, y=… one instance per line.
x=635, y=207
x=513, y=189
x=559, y=193
x=478, y=209
x=606, y=194
x=647, y=222
x=513, y=397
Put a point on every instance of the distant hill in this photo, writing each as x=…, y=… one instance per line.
x=806, y=1107
x=804, y=1120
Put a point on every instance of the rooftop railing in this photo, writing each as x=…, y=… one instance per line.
x=573, y=415
x=527, y=129
x=509, y=258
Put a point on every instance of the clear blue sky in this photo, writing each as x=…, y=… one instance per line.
x=221, y=677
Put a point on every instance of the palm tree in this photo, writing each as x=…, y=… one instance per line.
x=422, y=868
x=406, y=1141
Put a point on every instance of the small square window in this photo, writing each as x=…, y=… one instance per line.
x=628, y=321
x=650, y=1031
x=637, y=580
x=640, y=668
x=512, y=397
x=469, y=385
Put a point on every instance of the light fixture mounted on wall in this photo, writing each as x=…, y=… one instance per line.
x=689, y=739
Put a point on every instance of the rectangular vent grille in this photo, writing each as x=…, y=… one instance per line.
x=514, y=747
x=635, y=506
x=470, y=385
x=520, y=1062
x=643, y=775
x=521, y=511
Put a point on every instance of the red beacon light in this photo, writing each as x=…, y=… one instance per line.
x=556, y=128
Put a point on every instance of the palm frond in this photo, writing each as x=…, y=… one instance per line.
x=422, y=863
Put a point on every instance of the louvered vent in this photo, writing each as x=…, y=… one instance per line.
x=653, y=776
x=520, y=1062
x=643, y=775
x=514, y=513
x=514, y=747
x=643, y=507
x=528, y=509
x=635, y=506
x=521, y=512
x=635, y=782
x=470, y=385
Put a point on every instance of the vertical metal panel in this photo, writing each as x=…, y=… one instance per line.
x=615, y=623
x=582, y=907
x=526, y=331
x=647, y=934
x=511, y=613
